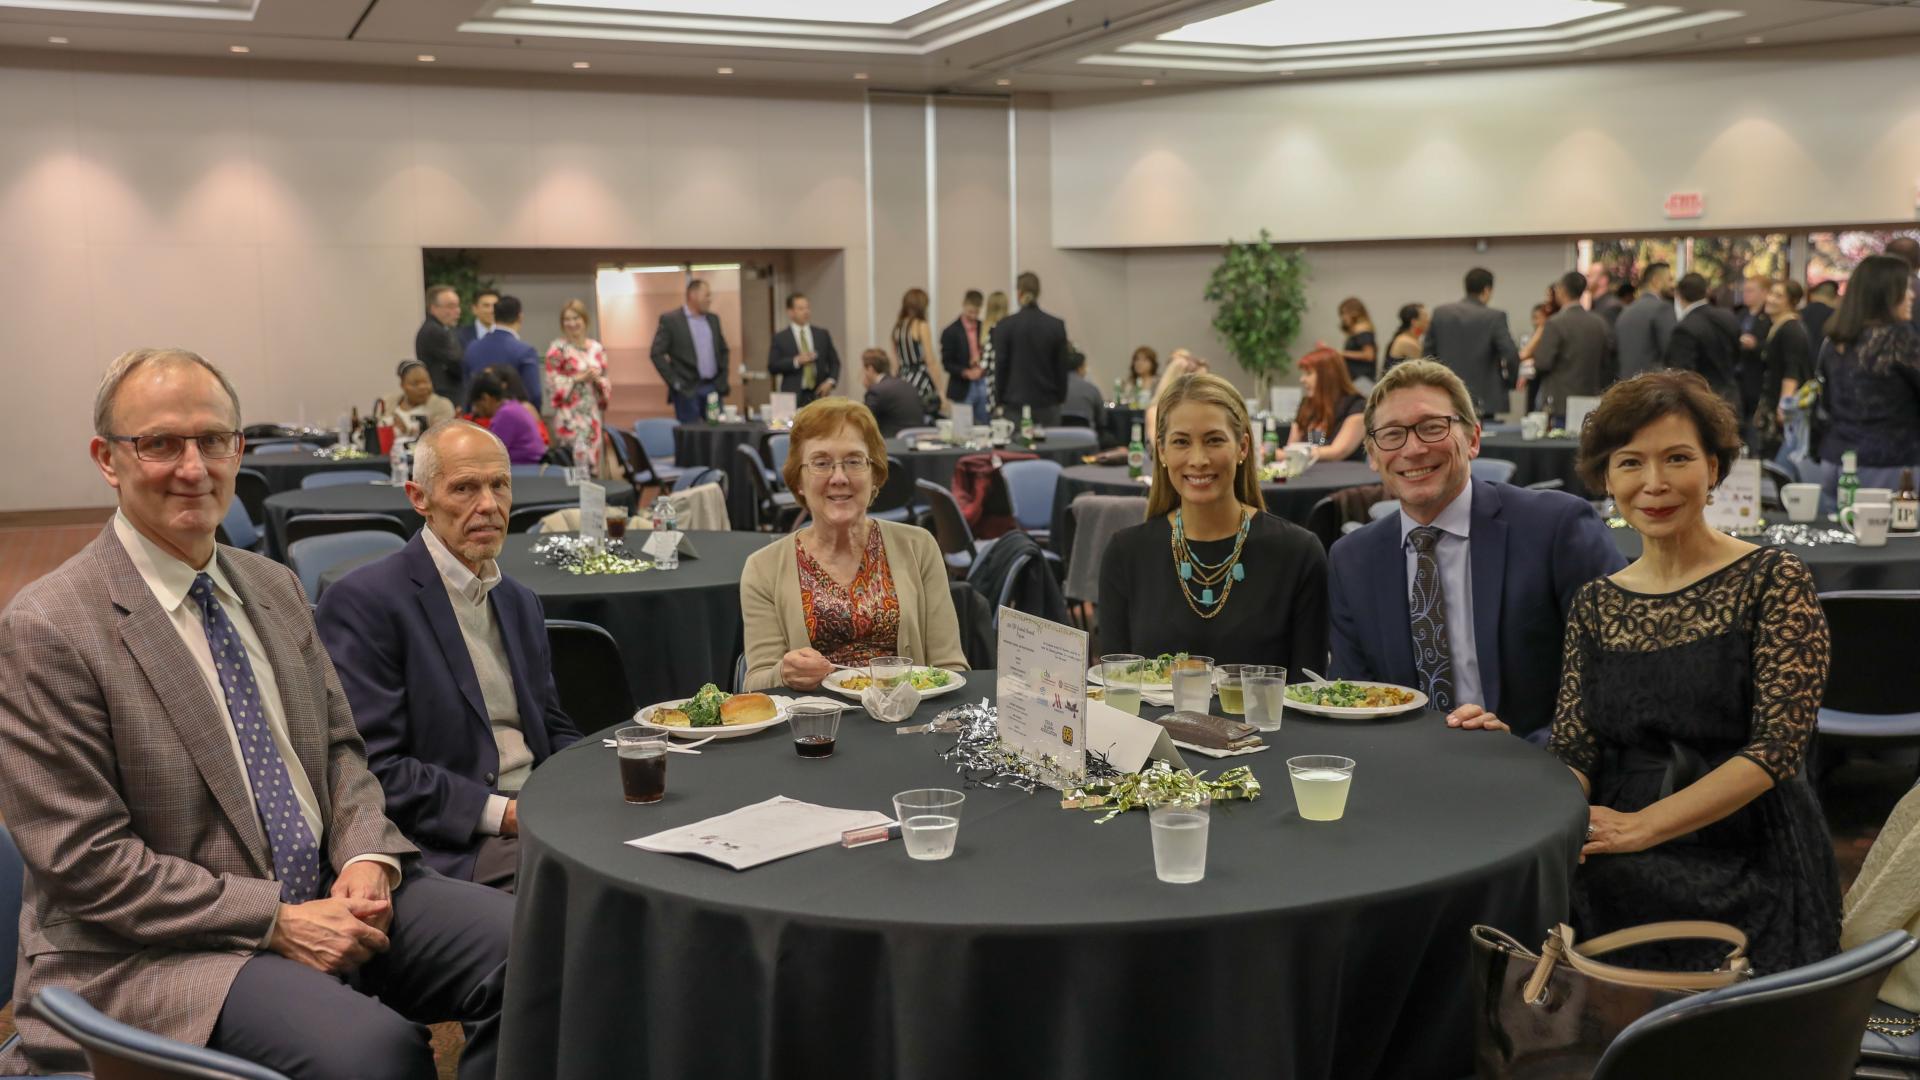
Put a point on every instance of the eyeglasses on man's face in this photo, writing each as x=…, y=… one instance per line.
x=1431, y=430
x=855, y=465
x=163, y=446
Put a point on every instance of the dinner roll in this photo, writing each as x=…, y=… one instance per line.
x=746, y=709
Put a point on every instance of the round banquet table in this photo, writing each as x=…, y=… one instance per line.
x=676, y=628
x=711, y=446
x=938, y=465
x=1837, y=566
x=1044, y=947
x=1538, y=459
x=1292, y=499
x=386, y=499
x=285, y=471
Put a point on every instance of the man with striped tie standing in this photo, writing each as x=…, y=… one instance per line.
x=207, y=854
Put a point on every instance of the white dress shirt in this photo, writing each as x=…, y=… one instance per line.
x=1452, y=552
x=170, y=579
x=488, y=652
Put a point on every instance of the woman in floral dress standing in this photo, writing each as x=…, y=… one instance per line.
x=577, y=386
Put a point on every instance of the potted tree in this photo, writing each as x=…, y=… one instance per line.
x=1259, y=293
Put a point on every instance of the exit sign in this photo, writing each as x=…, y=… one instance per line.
x=1686, y=204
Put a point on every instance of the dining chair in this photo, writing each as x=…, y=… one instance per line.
x=1031, y=484
x=341, y=478
x=13, y=883
x=301, y=526
x=1871, y=691
x=315, y=555
x=1494, y=470
x=656, y=436
x=117, y=1051
x=589, y=674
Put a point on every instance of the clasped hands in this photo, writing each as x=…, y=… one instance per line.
x=343, y=931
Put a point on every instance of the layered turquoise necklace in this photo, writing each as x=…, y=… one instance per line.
x=1195, y=572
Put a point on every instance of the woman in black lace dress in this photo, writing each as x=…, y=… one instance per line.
x=1687, y=700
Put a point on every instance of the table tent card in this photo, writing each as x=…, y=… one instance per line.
x=761, y=833
x=1042, y=695
x=781, y=406
x=1736, y=502
x=1577, y=409
x=1128, y=741
x=663, y=542
x=593, y=511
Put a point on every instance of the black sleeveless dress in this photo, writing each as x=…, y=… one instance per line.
x=1659, y=690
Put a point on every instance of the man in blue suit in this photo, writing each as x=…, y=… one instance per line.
x=482, y=323
x=1463, y=593
x=504, y=347
x=445, y=663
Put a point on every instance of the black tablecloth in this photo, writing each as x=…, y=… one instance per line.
x=1044, y=947
x=711, y=446
x=938, y=465
x=1837, y=566
x=383, y=499
x=1292, y=500
x=285, y=471
x=1538, y=459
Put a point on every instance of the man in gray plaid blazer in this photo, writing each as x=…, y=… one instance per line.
x=206, y=850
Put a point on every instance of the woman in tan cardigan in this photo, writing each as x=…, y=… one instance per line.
x=846, y=588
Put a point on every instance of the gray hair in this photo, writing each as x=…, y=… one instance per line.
x=426, y=452
x=132, y=360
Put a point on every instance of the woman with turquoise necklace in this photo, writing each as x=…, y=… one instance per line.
x=1211, y=572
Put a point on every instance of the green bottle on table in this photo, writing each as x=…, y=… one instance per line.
x=1849, y=479
x=1136, y=454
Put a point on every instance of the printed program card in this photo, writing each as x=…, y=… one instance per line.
x=1042, y=693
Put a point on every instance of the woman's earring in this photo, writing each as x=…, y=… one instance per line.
x=1709, y=498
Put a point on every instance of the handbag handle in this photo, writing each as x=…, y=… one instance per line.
x=1560, y=947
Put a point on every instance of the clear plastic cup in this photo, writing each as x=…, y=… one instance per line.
x=643, y=763
x=929, y=821
x=1193, y=684
x=1320, y=783
x=1120, y=675
x=1226, y=683
x=1180, y=840
x=815, y=726
x=1264, y=690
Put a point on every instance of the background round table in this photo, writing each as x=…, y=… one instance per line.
x=386, y=499
x=285, y=471
x=711, y=446
x=1045, y=946
x=1293, y=499
x=1538, y=459
x=938, y=465
x=1837, y=566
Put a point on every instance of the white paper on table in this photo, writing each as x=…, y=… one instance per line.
x=1128, y=741
x=781, y=405
x=661, y=543
x=1041, y=691
x=762, y=833
x=593, y=511
x=1736, y=502
x=1577, y=409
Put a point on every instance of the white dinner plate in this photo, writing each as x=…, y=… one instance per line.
x=722, y=731
x=1093, y=679
x=832, y=682
x=1335, y=712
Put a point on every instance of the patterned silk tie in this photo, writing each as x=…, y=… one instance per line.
x=296, y=857
x=808, y=378
x=1428, y=604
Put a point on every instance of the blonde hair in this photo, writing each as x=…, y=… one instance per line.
x=133, y=360
x=578, y=307
x=823, y=417
x=1423, y=372
x=1203, y=389
x=996, y=309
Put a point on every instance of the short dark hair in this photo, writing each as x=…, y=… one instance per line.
x=487, y=291
x=1574, y=283
x=1692, y=288
x=1076, y=360
x=507, y=310
x=1795, y=293
x=1824, y=288
x=1625, y=291
x=695, y=284
x=1877, y=286
x=1479, y=280
x=486, y=385
x=1906, y=248
x=1654, y=268
x=974, y=297
x=508, y=380
x=791, y=297
x=1630, y=406
x=1027, y=284
x=877, y=360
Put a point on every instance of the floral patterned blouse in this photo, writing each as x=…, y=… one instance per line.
x=577, y=391
x=855, y=623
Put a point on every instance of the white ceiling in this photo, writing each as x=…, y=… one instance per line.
x=958, y=45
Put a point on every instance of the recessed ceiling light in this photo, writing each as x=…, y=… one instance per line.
x=1146, y=82
x=1286, y=73
x=426, y=58
x=860, y=75
x=881, y=12
x=1284, y=22
x=723, y=71
x=242, y=49
x=1756, y=40
x=1003, y=82
x=581, y=65
x=56, y=41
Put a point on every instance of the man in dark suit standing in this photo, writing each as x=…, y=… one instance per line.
x=437, y=345
x=1031, y=357
x=482, y=324
x=1599, y=296
x=435, y=649
x=1464, y=593
x=894, y=402
x=960, y=354
x=691, y=353
x=1473, y=341
x=1574, y=355
x=503, y=346
x=803, y=355
x=1706, y=340
x=1820, y=304
x=1644, y=328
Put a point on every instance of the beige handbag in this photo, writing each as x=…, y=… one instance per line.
x=1550, y=1015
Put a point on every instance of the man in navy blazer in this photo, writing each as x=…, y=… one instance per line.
x=503, y=347
x=803, y=355
x=446, y=665
x=1463, y=593
x=482, y=323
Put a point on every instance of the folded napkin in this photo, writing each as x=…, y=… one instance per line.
x=891, y=706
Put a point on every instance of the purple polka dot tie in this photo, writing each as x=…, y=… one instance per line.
x=296, y=857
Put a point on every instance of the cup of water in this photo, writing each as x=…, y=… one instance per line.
x=1120, y=674
x=1320, y=783
x=1263, y=690
x=929, y=821
x=1193, y=684
x=1180, y=839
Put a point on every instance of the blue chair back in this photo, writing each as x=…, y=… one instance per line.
x=909, y=433
x=1072, y=436
x=241, y=531
x=117, y=1049
x=693, y=478
x=1030, y=484
x=13, y=884
x=778, y=444
x=523, y=472
x=287, y=447
x=1495, y=470
x=338, y=477
x=1804, y=1023
x=656, y=434
x=316, y=555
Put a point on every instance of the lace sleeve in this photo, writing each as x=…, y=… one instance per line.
x=1789, y=665
x=1573, y=741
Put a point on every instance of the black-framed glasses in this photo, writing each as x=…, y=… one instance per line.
x=169, y=447
x=855, y=466
x=1431, y=430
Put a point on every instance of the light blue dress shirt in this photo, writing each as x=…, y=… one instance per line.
x=1456, y=584
x=702, y=332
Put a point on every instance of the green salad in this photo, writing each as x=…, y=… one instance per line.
x=1341, y=694
x=1159, y=669
x=703, y=708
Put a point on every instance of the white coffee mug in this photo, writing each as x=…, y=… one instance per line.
x=1873, y=495
x=1802, y=501
x=945, y=429
x=1533, y=426
x=1869, y=522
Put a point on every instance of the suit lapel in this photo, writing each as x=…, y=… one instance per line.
x=446, y=626
x=1391, y=603
x=303, y=705
x=532, y=719
x=1487, y=551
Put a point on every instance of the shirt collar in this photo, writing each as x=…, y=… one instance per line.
x=459, y=580
x=1455, y=520
x=168, y=577
x=1688, y=309
x=691, y=316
